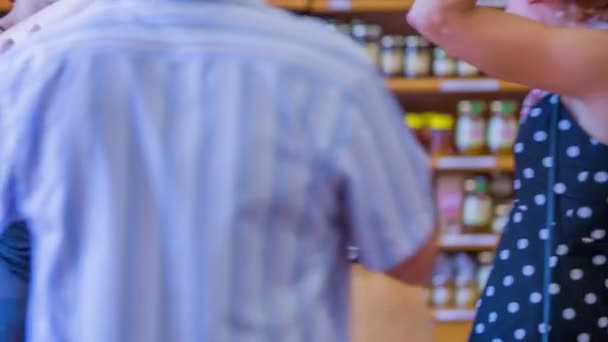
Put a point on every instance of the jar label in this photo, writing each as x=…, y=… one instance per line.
x=476, y=212
x=464, y=297
x=441, y=296
x=392, y=63
x=501, y=133
x=417, y=64
x=444, y=67
x=373, y=51
x=470, y=134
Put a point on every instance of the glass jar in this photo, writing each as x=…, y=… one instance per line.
x=442, y=134
x=417, y=57
x=444, y=65
x=442, y=286
x=471, y=128
x=502, y=127
x=465, y=69
x=501, y=186
x=501, y=217
x=392, y=55
x=415, y=121
x=485, y=260
x=368, y=37
x=477, y=206
x=465, y=281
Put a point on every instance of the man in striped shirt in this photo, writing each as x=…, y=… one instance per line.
x=194, y=171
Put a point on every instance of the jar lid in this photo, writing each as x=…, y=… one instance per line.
x=441, y=122
x=502, y=209
x=471, y=107
x=485, y=258
x=393, y=41
x=415, y=120
x=374, y=31
x=503, y=106
x=416, y=41
x=477, y=184
x=440, y=53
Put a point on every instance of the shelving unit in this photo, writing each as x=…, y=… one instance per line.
x=293, y=5
x=329, y=6
x=468, y=242
x=473, y=163
x=457, y=85
x=453, y=315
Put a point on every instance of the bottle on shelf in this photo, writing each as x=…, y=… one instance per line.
x=417, y=57
x=442, y=282
x=485, y=260
x=444, y=65
x=502, y=127
x=466, y=289
x=416, y=122
x=466, y=70
x=368, y=36
x=392, y=56
x=477, y=206
x=442, y=134
x=471, y=128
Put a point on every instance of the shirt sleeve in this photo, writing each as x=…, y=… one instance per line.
x=386, y=188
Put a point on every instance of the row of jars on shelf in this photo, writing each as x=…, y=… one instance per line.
x=473, y=204
x=404, y=56
x=458, y=279
x=471, y=132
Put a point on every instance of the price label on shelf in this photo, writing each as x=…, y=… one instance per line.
x=467, y=163
x=339, y=5
x=456, y=86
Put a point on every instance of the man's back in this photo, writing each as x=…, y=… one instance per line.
x=187, y=170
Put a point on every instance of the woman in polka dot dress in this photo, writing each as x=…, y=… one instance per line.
x=550, y=278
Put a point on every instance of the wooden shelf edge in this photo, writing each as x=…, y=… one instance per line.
x=328, y=6
x=294, y=5
x=454, y=315
x=473, y=163
x=451, y=85
x=468, y=242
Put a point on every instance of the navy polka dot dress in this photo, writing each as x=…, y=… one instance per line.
x=511, y=306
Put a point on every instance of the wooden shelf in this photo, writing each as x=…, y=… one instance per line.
x=468, y=242
x=473, y=163
x=294, y=5
x=451, y=85
x=454, y=315
x=328, y=6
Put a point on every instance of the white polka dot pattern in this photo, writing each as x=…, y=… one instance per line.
x=573, y=151
x=569, y=314
x=590, y=298
x=519, y=334
x=576, y=274
x=508, y=281
x=579, y=232
x=554, y=289
x=560, y=188
x=564, y=125
x=601, y=177
x=536, y=298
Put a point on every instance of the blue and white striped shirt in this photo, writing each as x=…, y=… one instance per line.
x=193, y=171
